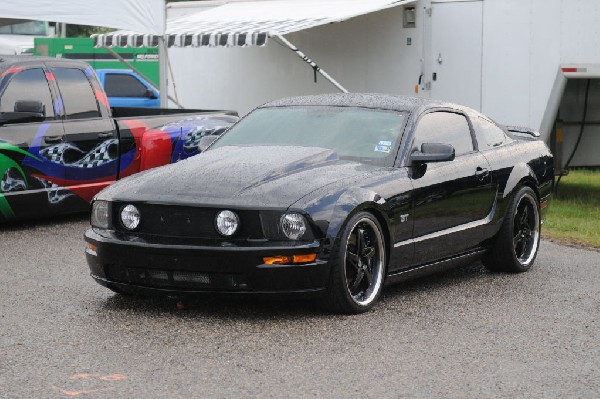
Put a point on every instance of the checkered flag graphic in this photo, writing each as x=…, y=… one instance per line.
x=99, y=155
x=56, y=152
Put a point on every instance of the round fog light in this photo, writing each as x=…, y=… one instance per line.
x=130, y=217
x=293, y=225
x=227, y=223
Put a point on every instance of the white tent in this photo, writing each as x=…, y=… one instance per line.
x=245, y=23
x=248, y=23
x=137, y=15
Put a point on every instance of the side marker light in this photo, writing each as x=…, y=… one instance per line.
x=289, y=259
x=91, y=249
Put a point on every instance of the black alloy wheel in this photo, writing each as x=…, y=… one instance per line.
x=517, y=243
x=358, y=266
x=526, y=232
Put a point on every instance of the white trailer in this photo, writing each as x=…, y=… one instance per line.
x=505, y=58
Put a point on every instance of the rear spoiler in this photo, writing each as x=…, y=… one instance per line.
x=518, y=130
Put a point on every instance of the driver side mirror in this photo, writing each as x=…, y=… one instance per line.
x=433, y=152
x=25, y=111
x=150, y=94
x=31, y=106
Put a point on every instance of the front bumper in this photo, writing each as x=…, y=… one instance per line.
x=170, y=268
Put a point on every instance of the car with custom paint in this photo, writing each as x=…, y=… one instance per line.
x=332, y=196
x=61, y=142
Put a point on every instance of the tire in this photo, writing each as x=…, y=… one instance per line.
x=358, y=265
x=516, y=245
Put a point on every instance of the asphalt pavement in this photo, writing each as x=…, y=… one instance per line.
x=467, y=333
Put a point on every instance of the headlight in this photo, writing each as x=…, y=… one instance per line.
x=227, y=223
x=293, y=225
x=99, y=216
x=130, y=217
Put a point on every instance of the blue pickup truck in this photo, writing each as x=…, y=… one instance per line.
x=126, y=88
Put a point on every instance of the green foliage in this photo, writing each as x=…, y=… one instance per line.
x=574, y=216
x=85, y=30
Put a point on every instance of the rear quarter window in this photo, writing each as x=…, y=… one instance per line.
x=488, y=134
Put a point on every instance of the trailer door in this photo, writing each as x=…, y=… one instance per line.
x=456, y=51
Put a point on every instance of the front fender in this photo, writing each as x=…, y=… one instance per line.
x=330, y=213
x=356, y=200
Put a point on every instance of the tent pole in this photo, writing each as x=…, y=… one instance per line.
x=133, y=68
x=311, y=63
x=163, y=72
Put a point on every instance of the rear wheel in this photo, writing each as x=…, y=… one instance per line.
x=517, y=243
x=358, y=266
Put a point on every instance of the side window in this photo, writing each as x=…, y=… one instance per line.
x=77, y=95
x=446, y=128
x=117, y=85
x=27, y=85
x=488, y=134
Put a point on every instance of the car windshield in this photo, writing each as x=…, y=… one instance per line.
x=361, y=134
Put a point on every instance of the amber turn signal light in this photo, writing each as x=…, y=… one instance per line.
x=289, y=259
x=307, y=258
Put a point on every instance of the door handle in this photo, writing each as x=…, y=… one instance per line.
x=52, y=139
x=481, y=173
x=105, y=135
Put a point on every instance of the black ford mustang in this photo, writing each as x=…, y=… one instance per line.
x=333, y=195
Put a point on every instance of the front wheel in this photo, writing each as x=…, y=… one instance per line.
x=517, y=243
x=358, y=266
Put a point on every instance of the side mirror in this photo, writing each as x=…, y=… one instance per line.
x=433, y=152
x=30, y=106
x=150, y=94
x=206, y=141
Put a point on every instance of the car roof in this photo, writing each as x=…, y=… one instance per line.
x=9, y=61
x=363, y=100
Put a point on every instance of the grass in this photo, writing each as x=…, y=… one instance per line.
x=574, y=215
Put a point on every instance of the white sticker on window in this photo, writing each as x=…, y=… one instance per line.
x=383, y=146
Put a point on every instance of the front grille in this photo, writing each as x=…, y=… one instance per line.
x=174, y=279
x=183, y=221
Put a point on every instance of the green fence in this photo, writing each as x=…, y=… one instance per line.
x=144, y=59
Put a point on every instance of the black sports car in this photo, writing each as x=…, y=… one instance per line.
x=333, y=195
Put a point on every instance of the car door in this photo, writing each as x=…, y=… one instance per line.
x=124, y=90
x=90, y=152
x=452, y=199
x=28, y=179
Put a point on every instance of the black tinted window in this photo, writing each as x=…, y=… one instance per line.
x=27, y=85
x=123, y=86
x=77, y=95
x=446, y=128
x=488, y=134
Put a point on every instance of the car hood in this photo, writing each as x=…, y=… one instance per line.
x=257, y=176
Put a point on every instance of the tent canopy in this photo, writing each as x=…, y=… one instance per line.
x=138, y=15
x=247, y=23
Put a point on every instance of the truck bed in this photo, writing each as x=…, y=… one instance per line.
x=133, y=112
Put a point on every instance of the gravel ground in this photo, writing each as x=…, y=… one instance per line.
x=466, y=333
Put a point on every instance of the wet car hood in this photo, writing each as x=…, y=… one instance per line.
x=256, y=176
